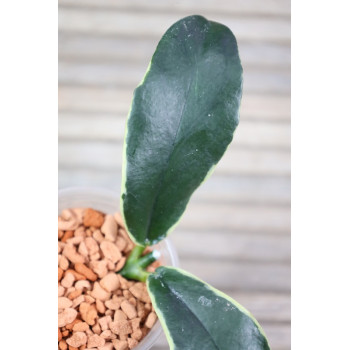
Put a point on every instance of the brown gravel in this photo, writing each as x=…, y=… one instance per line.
x=98, y=308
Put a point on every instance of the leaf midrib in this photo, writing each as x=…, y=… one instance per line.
x=192, y=313
x=164, y=170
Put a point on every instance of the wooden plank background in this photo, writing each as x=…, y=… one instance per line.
x=235, y=233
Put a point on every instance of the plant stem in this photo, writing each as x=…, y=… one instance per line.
x=147, y=260
x=136, y=264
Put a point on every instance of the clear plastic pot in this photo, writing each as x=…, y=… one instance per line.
x=108, y=202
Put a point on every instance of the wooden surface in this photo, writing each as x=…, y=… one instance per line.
x=235, y=233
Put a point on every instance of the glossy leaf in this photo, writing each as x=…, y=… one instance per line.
x=196, y=316
x=181, y=121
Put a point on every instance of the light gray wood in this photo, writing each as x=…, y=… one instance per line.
x=240, y=276
x=266, y=106
x=237, y=160
x=87, y=99
x=236, y=217
x=102, y=126
x=94, y=126
x=238, y=7
x=129, y=75
x=117, y=100
x=278, y=335
x=106, y=22
x=262, y=190
x=266, y=307
x=232, y=246
x=87, y=48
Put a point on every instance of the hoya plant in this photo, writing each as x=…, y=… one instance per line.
x=182, y=119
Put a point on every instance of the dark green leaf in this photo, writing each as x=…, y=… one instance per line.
x=196, y=316
x=181, y=121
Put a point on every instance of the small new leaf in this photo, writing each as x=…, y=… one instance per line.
x=196, y=316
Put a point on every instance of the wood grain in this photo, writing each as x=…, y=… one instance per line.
x=228, y=189
x=236, y=217
x=89, y=100
x=87, y=48
x=233, y=246
x=129, y=24
x=235, y=233
x=129, y=75
x=237, y=160
x=239, y=7
x=103, y=126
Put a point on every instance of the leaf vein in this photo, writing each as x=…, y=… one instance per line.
x=160, y=183
x=195, y=316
